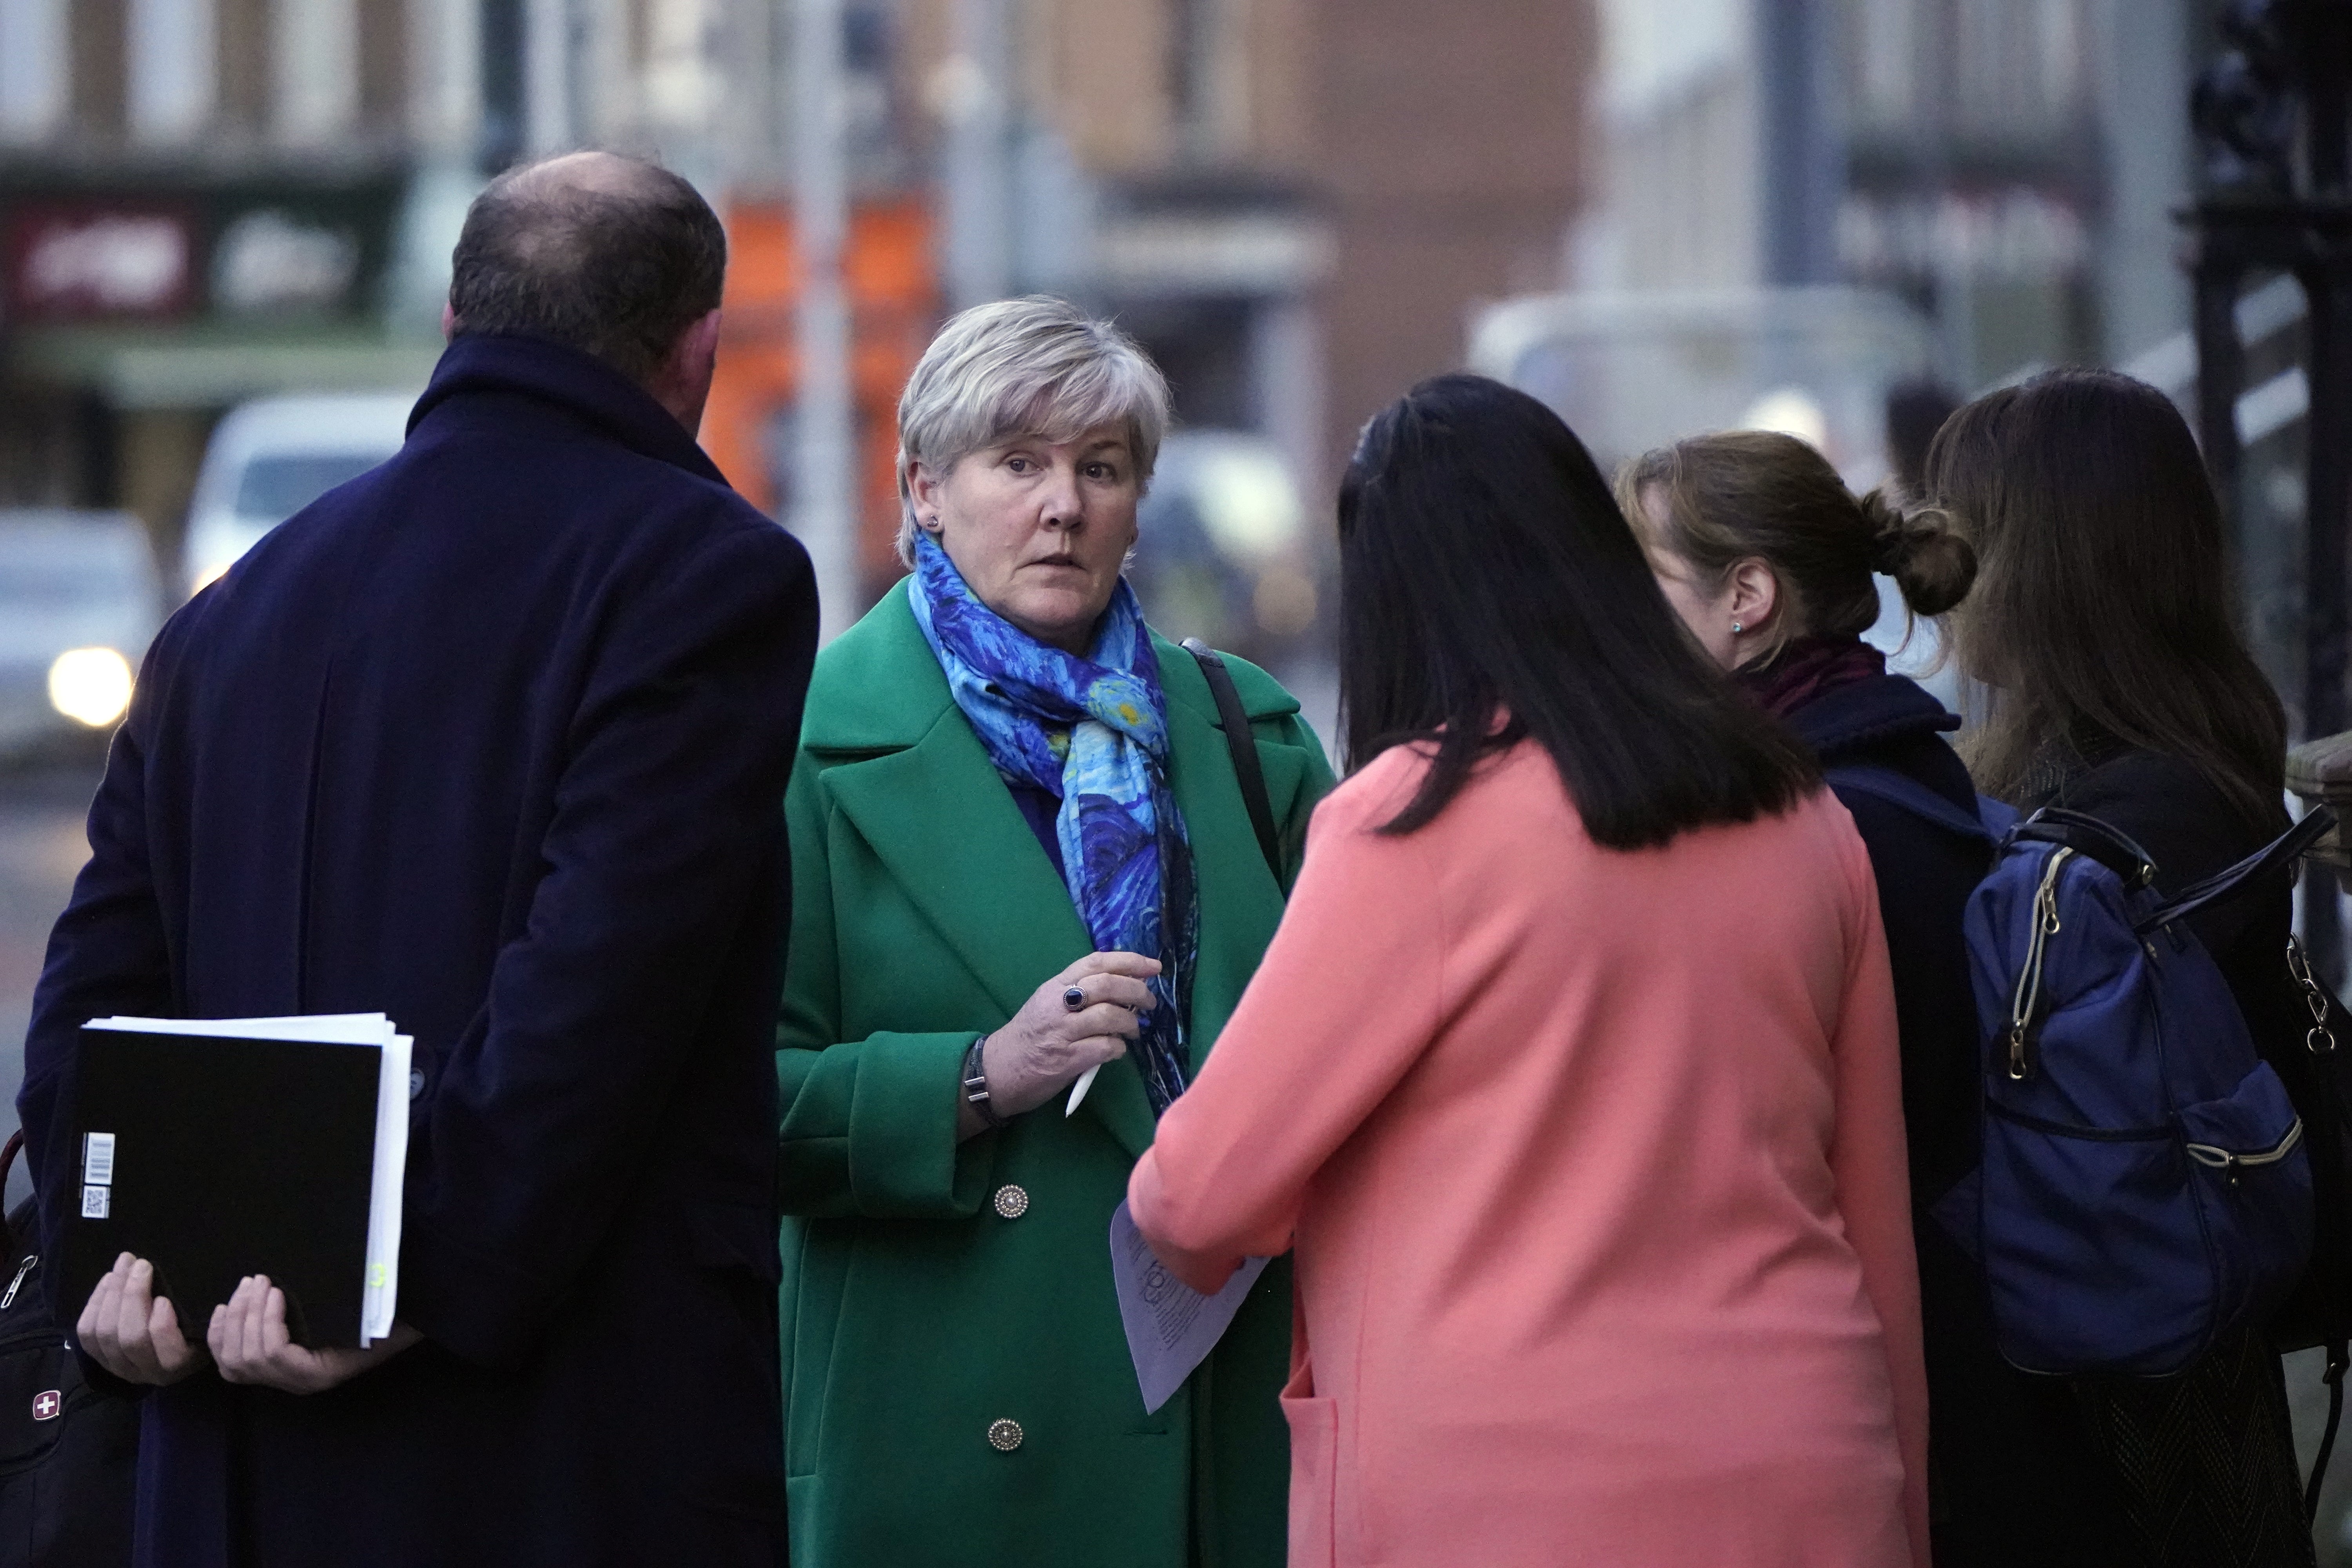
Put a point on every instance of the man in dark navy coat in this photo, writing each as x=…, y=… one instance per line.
x=493, y=740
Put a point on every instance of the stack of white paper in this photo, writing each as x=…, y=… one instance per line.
x=382, y=1289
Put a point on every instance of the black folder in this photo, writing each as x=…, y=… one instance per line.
x=214, y=1158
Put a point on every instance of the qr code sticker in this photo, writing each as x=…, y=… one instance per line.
x=96, y=1203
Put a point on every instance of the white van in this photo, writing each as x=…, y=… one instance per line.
x=271, y=458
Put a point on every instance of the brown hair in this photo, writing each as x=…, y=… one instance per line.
x=1743, y=495
x=2102, y=611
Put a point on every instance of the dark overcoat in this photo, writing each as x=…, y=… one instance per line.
x=493, y=740
x=2012, y=1481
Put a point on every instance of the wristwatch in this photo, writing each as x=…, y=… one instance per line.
x=975, y=1084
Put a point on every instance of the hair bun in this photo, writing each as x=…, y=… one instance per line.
x=1932, y=565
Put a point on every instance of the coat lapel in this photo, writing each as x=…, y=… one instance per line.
x=942, y=823
x=939, y=818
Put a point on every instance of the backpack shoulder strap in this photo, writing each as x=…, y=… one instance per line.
x=1901, y=790
x=2224, y=885
x=1233, y=719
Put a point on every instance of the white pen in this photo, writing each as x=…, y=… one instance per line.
x=1078, y=1090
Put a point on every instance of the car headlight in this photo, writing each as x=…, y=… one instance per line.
x=90, y=685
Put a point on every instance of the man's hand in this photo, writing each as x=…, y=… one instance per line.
x=132, y=1333
x=250, y=1344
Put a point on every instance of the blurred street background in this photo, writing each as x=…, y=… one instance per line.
x=224, y=231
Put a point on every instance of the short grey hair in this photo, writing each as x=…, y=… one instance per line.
x=1037, y=366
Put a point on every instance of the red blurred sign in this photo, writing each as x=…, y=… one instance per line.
x=99, y=260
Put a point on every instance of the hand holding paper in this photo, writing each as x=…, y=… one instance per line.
x=323, y=1099
x=1170, y=1327
x=250, y=1344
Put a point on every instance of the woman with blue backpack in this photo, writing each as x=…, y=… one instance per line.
x=2117, y=690
x=1770, y=561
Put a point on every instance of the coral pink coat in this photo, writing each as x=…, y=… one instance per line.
x=1593, y=1162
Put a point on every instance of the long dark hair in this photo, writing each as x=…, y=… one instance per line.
x=1485, y=574
x=2100, y=611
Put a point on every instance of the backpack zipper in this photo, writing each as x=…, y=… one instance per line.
x=2230, y=1162
x=17, y=1284
x=2097, y=1134
x=2029, y=977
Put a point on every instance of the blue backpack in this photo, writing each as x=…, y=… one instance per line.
x=2144, y=1186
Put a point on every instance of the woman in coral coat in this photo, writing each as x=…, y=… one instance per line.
x=1571, y=1074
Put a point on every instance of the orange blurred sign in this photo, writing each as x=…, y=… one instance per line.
x=893, y=306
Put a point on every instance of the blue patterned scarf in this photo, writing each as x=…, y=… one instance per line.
x=1095, y=731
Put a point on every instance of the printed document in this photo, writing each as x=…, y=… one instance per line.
x=1170, y=1327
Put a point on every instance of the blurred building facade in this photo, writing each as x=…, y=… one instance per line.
x=1294, y=203
x=203, y=201
x=2009, y=166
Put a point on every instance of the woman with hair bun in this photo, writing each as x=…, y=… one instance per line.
x=1769, y=560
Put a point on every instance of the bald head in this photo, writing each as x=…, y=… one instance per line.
x=611, y=256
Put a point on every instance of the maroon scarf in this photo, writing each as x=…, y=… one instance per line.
x=1809, y=667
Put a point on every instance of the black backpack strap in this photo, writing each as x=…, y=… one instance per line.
x=1233, y=719
x=2335, y=1380
x=2328, y=1179
x=2223, y=885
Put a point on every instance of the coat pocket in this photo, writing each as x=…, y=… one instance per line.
x=2092, y=1248
x=1314, y=1480
x=2130, y=1250
x=2253, y=1177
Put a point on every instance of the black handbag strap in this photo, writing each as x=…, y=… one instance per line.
x=2330, y=1261
x=1233, y=719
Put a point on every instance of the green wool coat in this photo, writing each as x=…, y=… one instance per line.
x=956, y=1385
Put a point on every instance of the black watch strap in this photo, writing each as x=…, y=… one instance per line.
x=975, y=1084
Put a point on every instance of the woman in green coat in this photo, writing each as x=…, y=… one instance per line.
x=1026, y=892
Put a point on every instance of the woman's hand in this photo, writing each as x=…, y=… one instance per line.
x=1049, y=1043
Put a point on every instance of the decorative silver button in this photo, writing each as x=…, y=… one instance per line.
x=1012, y=1202
x=1005, y=1434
